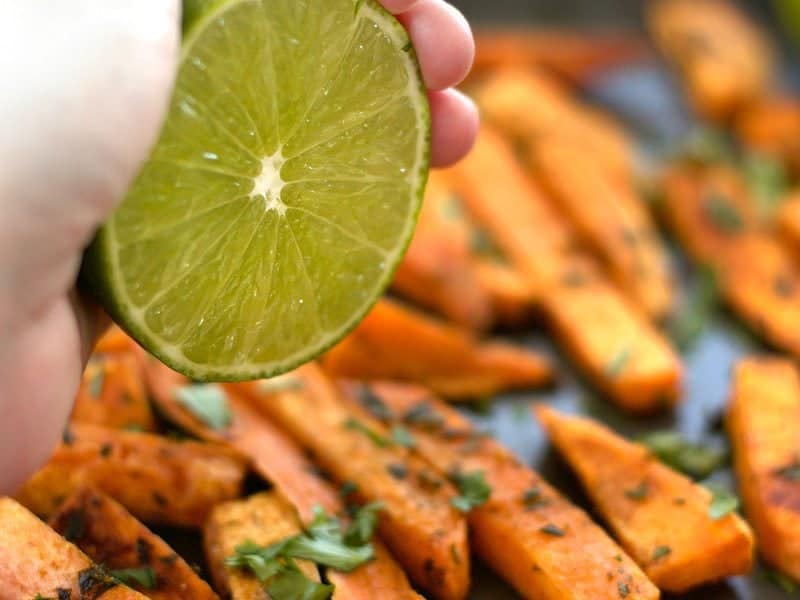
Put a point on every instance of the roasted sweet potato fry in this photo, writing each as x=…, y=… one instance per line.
x=660, y=517
x=112, y=537
x=763, y=420
x=607, y=336
x=262, y=519
x=36, y=562
x=424, y=532
x=725, y=60
x=277, y=458
x=112, y=394
x=396, y=342
x=526, y=531
x=437, y=272
x=755, y=274
x=772, y=127
x=573, y=56
x=510, y=293
x=609, y=219
x=159, y=480
x=529, y=106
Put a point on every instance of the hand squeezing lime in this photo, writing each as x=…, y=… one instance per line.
x=281, y=194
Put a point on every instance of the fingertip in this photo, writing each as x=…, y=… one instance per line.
x=454, y=128
x=442, y=40
x=397, y=6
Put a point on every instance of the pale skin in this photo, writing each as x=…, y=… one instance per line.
x=86, y=87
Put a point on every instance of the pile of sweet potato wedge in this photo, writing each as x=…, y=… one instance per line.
x=360, y=477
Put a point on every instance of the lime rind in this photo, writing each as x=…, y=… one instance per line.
x=104, y=271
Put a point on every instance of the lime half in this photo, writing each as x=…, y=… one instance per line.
x=281, y=195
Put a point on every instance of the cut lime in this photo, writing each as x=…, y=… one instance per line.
x=281, y=194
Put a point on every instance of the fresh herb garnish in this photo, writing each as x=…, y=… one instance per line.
x=638, y=493
x=551, y=529
x=779, y=579
x=96, y=382
x=206, y=402
x=474, y=491
x=520, y=412
x=533, y=498
x=323, y=543
x=688, y=325
x=94, y=581
x=397, y=470
x=623, y=589
x=402, y=437
x=141, y=576
x=706, y=145
x=660, y=552
x=423, y=415
x=767, y=182
x=374, y=405
x=618, y=363
x=348, y=488
x=790, y=472
x=723, y=501
x=375, y=437
x=722, y=214
x=696, y=460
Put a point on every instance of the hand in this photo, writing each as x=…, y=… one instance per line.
x=88, y=86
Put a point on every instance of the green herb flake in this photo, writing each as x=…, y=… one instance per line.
x=397, y=471
x=95, y=581
x=554, y=530
x=208, y=403
x=96, y=382
x=706, y=145
x=520, y=412
x=402, y=437
x=474, y=491
x=290, y=582
x=790, y=472
x=619, y=362
x=533, y=498
x=375, y=437
x=348, y=489
x=618, y=557
x=723, y=501
x=423, y=415
x=363, y=526
x=660, y=552
x=767, y=182
x=374, y=405
x=779, y=579
x=638, y=493
x=623, y=589
x=723, y=214
x=690, y=322
x=695, y=460
x=138, y=576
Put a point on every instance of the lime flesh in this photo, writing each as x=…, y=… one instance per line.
x=281, y=195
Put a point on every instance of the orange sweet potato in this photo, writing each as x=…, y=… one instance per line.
x=159, y=480
x=529, y=106
x=436, y=272
x=112, y=394
x=425, y=534
x=277, y=458
x=547, y=548
x=725, y=60
x=610, y=220
x=763, y=420
x=34, y=559
x=396, y=342
x=772, y=127
x=660, y=517
x=263, y=519
x=756, y=276
x=112, y=537
x=570, y=55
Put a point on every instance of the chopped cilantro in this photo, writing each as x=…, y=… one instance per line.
x=533, y=498
x=363, y=526
x=554, y=530
x=397, y=471
x=374, y=405
x=767, y=181
x=660, y=552
x=790, y=472
x=402, y=437
x=723, y=214
x=638, y=493
x=779, y=579
x=474, y=491
x=96, y=382
x=423, y=415
x=688, y=324
x=208, y=403
x=618, y=363
x=723, y=501
x=348, y=488
x=375, y=437
x=696, y=460
x=623, y=589
x=137, y=576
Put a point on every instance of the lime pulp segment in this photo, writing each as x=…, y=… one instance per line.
x=281, y=195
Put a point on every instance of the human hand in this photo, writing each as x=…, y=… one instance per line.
x=88, y=85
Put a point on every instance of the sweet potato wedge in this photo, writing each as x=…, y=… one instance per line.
x=34, y=559
x=511, y=295
x=112, y=394
x=425, y=534
x=437, y=272
x=660, y=516
x=772, y=127
x=112, y=537
x=159, y=480
x=572, y=56
x=614, y=223
x=763, y=420
x=725, y=60
x=547, y=548
x=756, y=276
x=277, y=458
x=529, y=106
x=396, y=342
x=263, y=519
x=620, y=351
